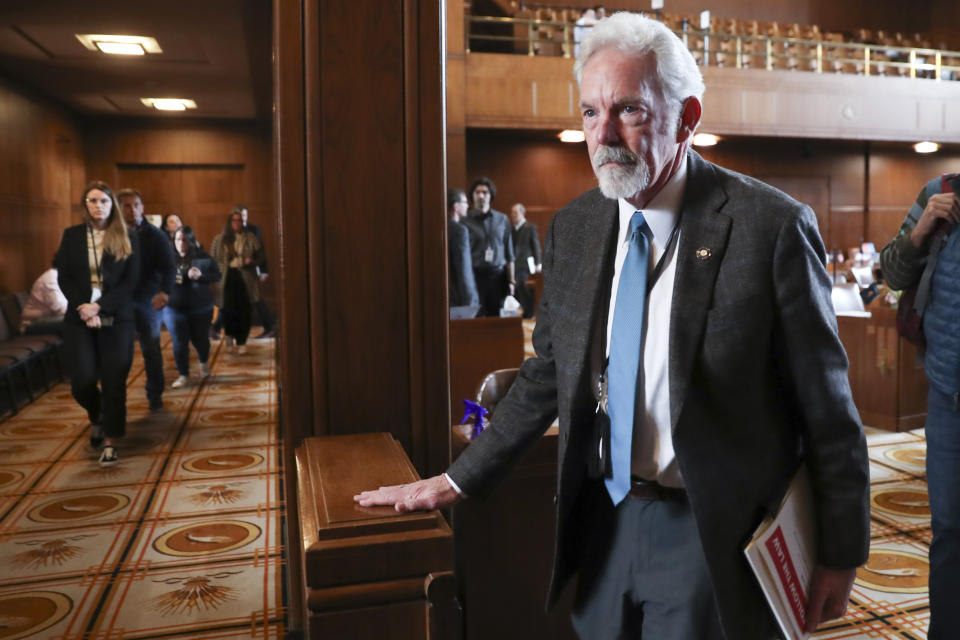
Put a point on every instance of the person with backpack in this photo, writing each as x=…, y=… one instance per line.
x=925, y=255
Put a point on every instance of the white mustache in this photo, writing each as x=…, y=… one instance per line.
x=620, y=155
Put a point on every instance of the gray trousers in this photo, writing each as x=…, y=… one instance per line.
x=643, y=574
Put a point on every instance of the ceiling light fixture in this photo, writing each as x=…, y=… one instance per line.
x=926, y=147
x=705, y=140
x=121, y=48
x=169, y=104
x=572, y=135
x=119, y=44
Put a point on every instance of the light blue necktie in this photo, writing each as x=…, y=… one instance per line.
x=625, y=357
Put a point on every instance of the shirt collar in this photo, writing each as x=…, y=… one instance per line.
x=662, y=212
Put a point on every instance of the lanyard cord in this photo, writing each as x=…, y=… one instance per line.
x=96, y=260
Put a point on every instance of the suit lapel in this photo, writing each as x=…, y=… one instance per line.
x=704, y=231
x=589, y=291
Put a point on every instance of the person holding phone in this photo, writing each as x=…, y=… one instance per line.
x=190, y=308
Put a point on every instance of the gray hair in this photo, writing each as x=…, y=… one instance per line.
x=677, y=71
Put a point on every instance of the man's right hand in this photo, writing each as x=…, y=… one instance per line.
x=945, y=206
x=423, y=495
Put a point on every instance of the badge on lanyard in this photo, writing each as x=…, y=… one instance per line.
x=488, y=255
x=96, y=294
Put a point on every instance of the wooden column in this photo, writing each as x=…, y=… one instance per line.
x=456, y=97
x=370, y=572
x=358, y=135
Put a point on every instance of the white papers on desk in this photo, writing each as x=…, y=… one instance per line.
x=846, y=297
x=782, y=556
x=863, y=275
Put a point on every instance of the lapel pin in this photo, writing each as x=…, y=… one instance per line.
x=703, y=253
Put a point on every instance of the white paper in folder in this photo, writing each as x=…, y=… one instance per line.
x=782, y=553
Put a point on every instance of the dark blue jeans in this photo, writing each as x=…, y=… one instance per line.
x=943, y=483
x=186, y=328
x=147, y=323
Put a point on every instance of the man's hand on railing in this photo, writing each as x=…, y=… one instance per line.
x=424, y=495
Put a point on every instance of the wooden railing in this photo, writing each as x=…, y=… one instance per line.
x=712, y=48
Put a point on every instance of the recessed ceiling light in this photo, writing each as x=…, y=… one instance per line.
x=572, y=135
x=119, y=44
x=121, y=48
x=705, y=140
x=169, y=104
x=926, y=147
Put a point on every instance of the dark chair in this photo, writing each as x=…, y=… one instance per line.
x=9, y=366
x=23, y=356
x=45, y=347
x=494, y=387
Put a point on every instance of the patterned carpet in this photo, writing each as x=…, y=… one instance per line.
x=889, y=598
x=181, y=539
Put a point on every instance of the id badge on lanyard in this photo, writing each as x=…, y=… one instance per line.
x=96, y=292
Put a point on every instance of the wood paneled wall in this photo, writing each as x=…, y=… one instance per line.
x=360, y=187
x=536, y=169
x=41, y=177
x=896, y=177
x=197, y=169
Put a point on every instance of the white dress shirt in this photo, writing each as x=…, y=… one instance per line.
x=653, y=457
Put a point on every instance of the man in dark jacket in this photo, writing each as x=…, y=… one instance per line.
x=462, y=286
x=153, y=288
x=491, y=248
x=687, y=344
x=526, y=247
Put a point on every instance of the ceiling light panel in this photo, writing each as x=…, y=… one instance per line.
x=169, y=104
x=122, y=44
x=121, y=48
x=926, y=147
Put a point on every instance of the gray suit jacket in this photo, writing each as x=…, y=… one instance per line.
x=758, y=379
x=462, y=286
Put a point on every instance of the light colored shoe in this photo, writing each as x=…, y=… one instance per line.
x=108, y=457
x=242, y=349
x=205, y=369
x=180, y=382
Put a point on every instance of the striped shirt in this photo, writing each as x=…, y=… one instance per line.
x=902, y=263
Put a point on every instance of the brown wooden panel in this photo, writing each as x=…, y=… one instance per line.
x=208, y=197
x=897, y=174
x=477, y=347
x=162, y=189
x=401, y=621
x=889, y=386
x=503, y=598
x=366, y=288
x=40, y=152
x=372, y=559
x=297, y=351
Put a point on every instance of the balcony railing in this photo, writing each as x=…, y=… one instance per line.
x=710, y=48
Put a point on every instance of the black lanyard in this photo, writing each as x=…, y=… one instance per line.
x=96, y=260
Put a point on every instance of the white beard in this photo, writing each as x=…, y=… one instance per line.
x=622, y=181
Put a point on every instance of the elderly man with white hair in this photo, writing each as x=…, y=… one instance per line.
x=687, y=343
